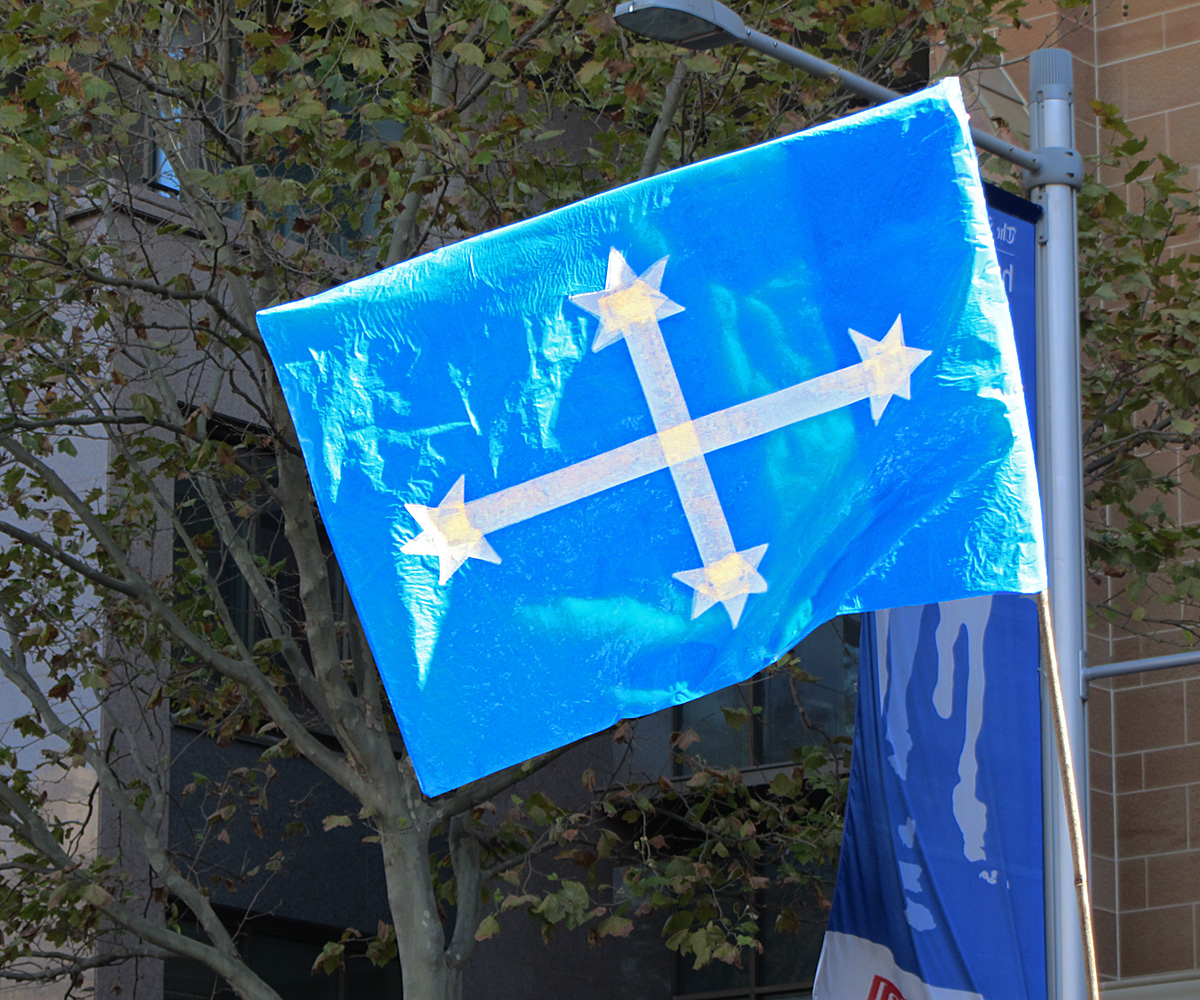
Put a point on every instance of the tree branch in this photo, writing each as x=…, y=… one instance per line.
x=241, y=672
x=185, y=99
x=464, y=858
x=662, y=124
x=71, y=562
x=469, y=796
x=53, y=965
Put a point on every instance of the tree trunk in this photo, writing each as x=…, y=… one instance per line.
x=419, y=935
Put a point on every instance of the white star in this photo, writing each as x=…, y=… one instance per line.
x=888, y=365
x=447, y=532
x=627, y=301
x=728, y=580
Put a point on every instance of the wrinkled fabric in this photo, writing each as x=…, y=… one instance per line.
x=939, y=890
x=540, y=451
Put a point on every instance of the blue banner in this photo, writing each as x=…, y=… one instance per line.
x=940, y=893
x=627, y=453
x=1014, y=230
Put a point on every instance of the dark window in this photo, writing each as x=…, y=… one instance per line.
x=807, y=700
x=258, y=520
x=787, y=966
x=282, y=953
x=349, y=219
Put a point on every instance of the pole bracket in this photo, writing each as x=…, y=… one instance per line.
x=1055, y=165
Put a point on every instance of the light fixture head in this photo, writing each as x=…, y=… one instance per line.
x=693, y=24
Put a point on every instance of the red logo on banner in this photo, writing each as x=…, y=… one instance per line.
x=883, y=989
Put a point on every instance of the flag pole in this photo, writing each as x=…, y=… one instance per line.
x=1066, y=770
x=1060, y=461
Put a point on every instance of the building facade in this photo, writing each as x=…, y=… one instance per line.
x=1143, y=57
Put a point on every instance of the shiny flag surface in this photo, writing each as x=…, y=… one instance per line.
x=939, y=890
x=629, y=452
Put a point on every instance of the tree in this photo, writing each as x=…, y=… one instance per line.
x=1141, y=395
x=170, y=169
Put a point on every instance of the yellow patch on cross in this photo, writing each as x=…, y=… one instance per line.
x=455, y=526
x=633, y=305
x=728, y=576
x=680, y=443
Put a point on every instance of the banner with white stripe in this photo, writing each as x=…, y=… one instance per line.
x=939, y=891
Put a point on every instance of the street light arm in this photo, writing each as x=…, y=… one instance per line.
x=707, y=24
x=1007, y=151
x=862, y=87
x=815, y=66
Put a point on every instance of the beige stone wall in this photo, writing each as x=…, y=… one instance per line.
x=68, y=794
x=1144, y=730
x=1145, y=776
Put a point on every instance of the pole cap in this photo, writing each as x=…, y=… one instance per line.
x=1050, y=75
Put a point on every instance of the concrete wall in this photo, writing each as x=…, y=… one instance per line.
x=67, y=791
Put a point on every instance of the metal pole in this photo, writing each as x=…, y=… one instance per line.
x=862, y=87
x=1166, y=662
x=1060, y=463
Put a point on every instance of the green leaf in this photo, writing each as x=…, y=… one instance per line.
x=148, y=406
x=1137, y=171
x=489, y=927
x=27, y=725
x=736, y=718
x=614, y=926
x=468, y=53
x=703, y=62
x=11, y=116
x=330, y=958
x=588, y=71
x=95, y=895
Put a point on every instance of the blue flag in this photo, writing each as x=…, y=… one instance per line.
x=627, y=453
x=939, y=891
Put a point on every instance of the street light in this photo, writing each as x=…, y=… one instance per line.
x=1052, y=174
x=693, y=24
x=707, y=24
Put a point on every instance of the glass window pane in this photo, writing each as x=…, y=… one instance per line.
x=721, y=745
x=184, y=979
x=803, y=713
x=789, y=957
x=164, y=173
x=366, y=981
x=713, y=978
x=286, y=965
